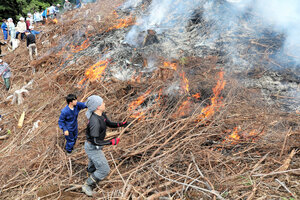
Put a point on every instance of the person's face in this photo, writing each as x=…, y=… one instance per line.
x=102, y=107
x=74, y=102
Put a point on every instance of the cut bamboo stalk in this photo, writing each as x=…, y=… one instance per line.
x=21, y=120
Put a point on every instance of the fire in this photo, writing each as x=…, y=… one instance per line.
x=209, y=110
x=55, y=21
x=197, y=96
x=95, y=71
x=139, y=100
x=83, y=46
x=238, y=135
x=173, y=66
x=134, y=105
x=122, y=23
x=184, y=109
x=185, y=82
x=234, y=136
x=170, y=65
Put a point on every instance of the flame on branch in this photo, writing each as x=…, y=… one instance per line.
x=83, y=46
x=135, y=104
x=122, y=23
x=216, y=102
x=184, y=109
x=95, y=71
x=237, y=136
x=185, y=81
x=170, y=65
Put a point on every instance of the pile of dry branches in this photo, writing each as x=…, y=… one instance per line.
x=162, y=154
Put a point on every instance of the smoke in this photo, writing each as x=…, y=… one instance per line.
x=285, y=17
x=131, y=4
x=163, y=15
x=277, y=15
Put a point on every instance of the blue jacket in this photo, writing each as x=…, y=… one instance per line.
x=4, y=26
x=35, y=32
x=68, y=118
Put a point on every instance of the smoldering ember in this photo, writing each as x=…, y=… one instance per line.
x=210, y=89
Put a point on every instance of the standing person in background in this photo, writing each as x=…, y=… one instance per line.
x=30, y=19
x=67, y=5
x=95, y=134
x=12, y=29
x=37, y=17
x=56, y=10
x=51, y=11
x=78, y=3
x=21, y=28
x=68, y=120
x=45, y=15
x=4, y=29
x=5, y=72
x=31, y=46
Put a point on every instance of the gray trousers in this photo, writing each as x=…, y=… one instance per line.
x=97, y=159
x=31, y=48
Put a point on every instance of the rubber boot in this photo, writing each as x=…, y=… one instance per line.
x=89, y=185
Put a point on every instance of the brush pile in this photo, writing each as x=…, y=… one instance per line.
x=195, y=131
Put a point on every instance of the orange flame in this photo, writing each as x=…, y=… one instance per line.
x=83, y=46
x=136, y=103
x=122, y=23
x=237, y=135
x=185, y=81
x=234, y=136
x=55, y=21
x=139, y=100
x=209, y=110
x=184, y=109
x=170, y=65
x=197, y=96
x=173, y=66
x=95, y=71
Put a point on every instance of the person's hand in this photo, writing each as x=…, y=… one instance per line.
x=123, y=124
x=66, y=133
x=115, y=141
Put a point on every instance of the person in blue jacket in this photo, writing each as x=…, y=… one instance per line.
x=34, y=32
x=4, y=29
x=68, y=120
x=78, y=3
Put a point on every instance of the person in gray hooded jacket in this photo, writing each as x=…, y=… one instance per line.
x=95, y=134
x=5, y=73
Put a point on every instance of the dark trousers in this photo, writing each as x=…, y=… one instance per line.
x=0, y=47
x=71, y=140
x=22, y=35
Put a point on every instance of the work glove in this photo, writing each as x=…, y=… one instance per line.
x=115, y=141
x=123, y=124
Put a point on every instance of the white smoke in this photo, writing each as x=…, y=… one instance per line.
x=163, y=15
x=131, y=4
x=285, y=16
x=282, y=15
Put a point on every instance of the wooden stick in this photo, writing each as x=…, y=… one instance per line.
x=285, y=139
x=285, y=187
x=280, y=172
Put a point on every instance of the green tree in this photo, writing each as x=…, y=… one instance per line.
x=17, y=8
